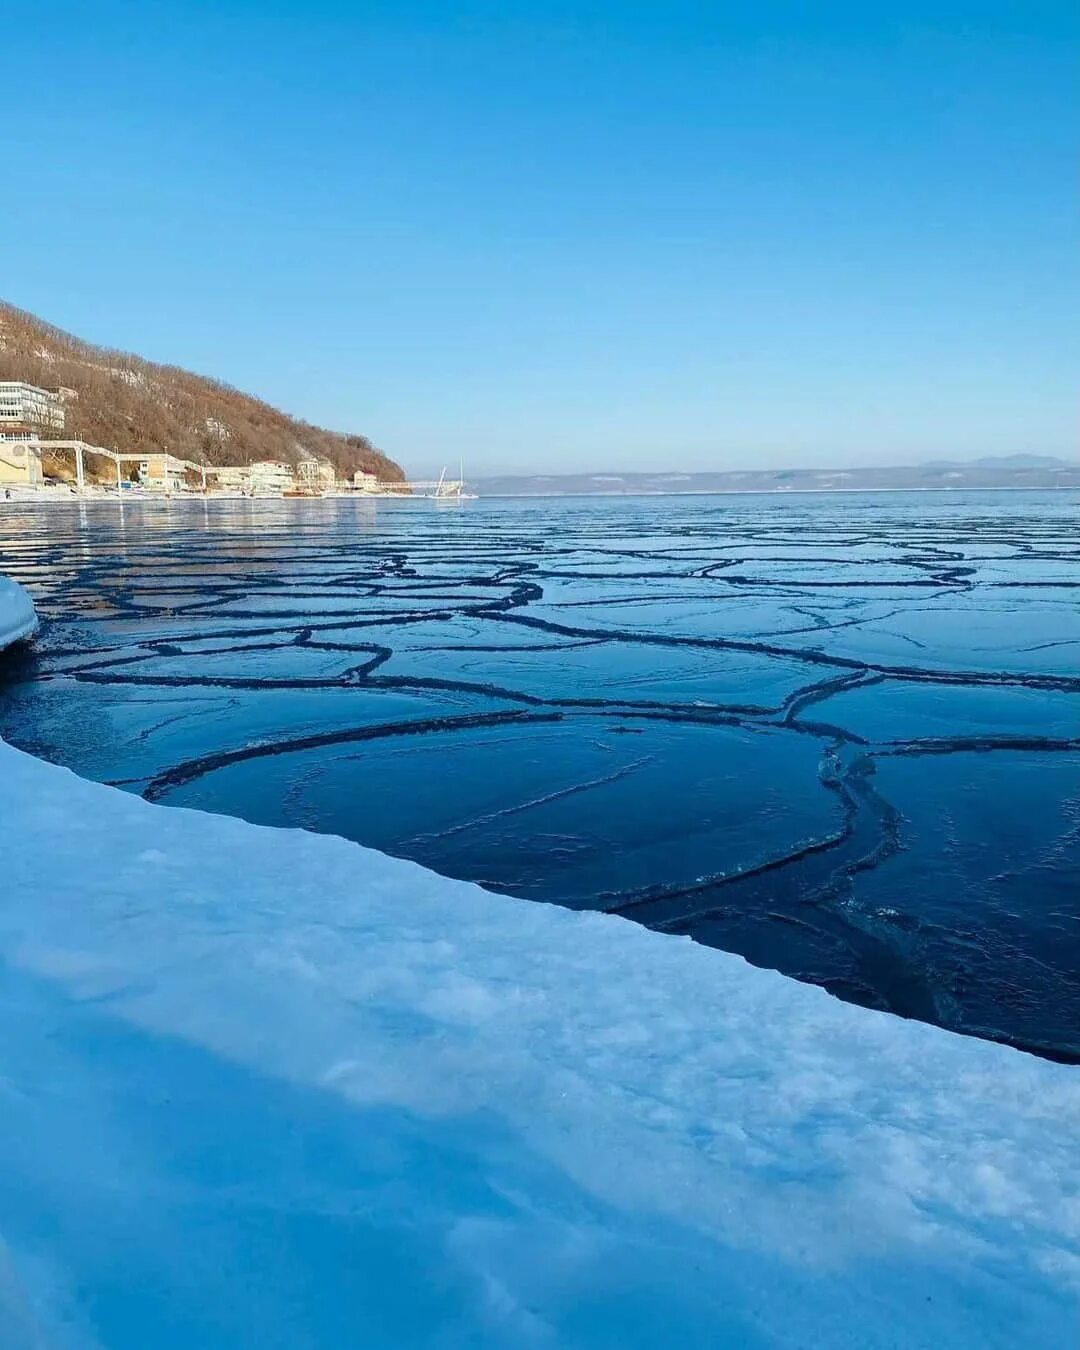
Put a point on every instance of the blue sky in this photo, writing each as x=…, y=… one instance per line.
x=571, y=236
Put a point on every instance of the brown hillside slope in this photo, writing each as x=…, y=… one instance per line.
x=129, y=404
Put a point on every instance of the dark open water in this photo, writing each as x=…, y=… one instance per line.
x=837, y=734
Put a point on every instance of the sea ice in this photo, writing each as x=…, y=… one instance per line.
x=269, y=1088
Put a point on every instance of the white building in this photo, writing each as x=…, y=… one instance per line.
x=364, y=481
x=265, y=476
x=271, y=475
x=316, y=473
x=26, y=404
x=162, y=473
x=231, y=478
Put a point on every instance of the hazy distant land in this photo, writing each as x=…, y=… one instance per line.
x=1007, y=471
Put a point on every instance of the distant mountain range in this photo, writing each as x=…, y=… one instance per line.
x=124, y=403
x=1004, y=471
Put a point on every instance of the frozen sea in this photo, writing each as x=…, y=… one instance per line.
x=836, y=734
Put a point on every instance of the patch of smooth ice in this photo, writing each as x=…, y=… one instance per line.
x=18, y=618
x=268, y=1088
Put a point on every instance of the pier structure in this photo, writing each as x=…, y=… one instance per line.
x=442, y=487
x=81, y=449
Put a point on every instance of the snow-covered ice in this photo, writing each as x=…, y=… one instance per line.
x=17, y=616
x=268, y=1088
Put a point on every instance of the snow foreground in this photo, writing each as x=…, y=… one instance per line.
x=268, y=1088
x=18, y=618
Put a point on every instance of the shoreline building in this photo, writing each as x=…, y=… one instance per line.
x=229, y=478
x=25, y=405
x=271, y=475
x=20, y=464
x=316, y=474
x=266, y=477
x=162, y=473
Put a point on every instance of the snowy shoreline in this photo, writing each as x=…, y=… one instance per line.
x=545, y=1127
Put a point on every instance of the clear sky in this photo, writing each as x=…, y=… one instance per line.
x=666, y=235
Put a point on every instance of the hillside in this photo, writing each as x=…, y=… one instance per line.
x=129, y=404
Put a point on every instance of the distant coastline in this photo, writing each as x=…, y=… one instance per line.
x=1008, y=472
x=774, y=492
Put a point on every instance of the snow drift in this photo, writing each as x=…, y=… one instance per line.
x=267, y=1088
